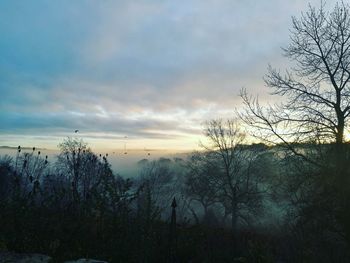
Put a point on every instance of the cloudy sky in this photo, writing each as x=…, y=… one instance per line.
x=153, y=70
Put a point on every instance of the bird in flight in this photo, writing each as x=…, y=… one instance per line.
x=76, y=131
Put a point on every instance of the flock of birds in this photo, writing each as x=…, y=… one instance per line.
x=125, y=151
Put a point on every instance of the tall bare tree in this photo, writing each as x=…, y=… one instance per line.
x=238, y=185
x=316, y=90
x=315, y=108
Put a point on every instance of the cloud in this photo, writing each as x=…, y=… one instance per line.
x=149, y=69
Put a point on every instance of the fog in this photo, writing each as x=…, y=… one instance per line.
x=124, y=162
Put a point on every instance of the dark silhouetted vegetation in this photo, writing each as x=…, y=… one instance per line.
x=285, y=199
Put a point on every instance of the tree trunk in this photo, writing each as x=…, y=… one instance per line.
x=234, y=217
x=340, y=130
x=340, y=119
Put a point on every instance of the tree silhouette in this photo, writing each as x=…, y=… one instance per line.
x=311, y=121
x=316, y=90
x=237, y=186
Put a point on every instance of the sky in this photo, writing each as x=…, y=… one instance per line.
x=137, y=74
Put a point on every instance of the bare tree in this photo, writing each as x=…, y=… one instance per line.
x=315, y=109
x=200, y=184
x=316, y=89
x=158, y=184
x=83, y=170
x=238, y=187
